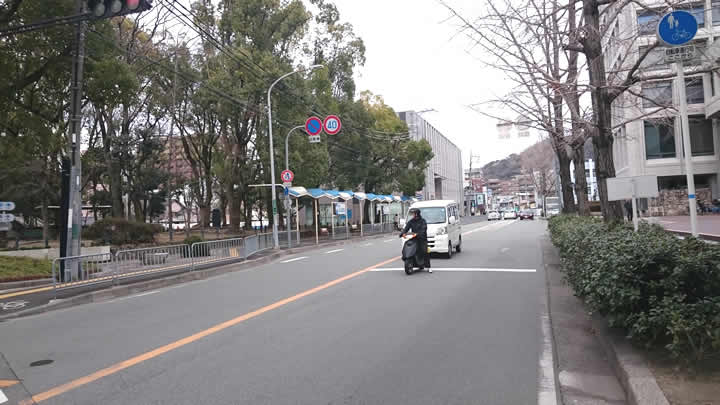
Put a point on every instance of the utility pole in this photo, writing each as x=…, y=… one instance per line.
x=74, y=213
x=171, y=152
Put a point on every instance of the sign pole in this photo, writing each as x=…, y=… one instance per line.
x=317, y=223
x=347, y=220
x=297, y=222
x=687, y=147
x=362, y=214
x=636, y=220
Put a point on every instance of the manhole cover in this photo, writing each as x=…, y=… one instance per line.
x=41, y=363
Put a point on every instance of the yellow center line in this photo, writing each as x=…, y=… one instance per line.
x=8, y=383
x=61, y=389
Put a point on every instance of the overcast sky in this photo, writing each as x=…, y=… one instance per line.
x=416, y=61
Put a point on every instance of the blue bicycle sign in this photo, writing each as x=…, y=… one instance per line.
x=677, y=28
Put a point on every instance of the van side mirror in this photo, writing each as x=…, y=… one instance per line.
x=453, y=219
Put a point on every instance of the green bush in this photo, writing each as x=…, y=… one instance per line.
x=118, y=231
x=661, y=290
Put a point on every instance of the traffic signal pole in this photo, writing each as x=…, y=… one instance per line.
x=74, y=214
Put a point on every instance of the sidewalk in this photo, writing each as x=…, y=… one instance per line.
x=708, y=224
x=585, y=374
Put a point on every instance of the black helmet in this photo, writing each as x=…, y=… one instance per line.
x=414, y=211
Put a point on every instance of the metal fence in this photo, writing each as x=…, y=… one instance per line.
x=219, y=251
x=156, y=259
x=108, y=267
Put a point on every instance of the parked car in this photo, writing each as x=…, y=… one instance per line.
x=509, y=215
x=527, y=214
x=493, y=215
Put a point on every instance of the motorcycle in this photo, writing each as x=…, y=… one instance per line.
x=410, y=253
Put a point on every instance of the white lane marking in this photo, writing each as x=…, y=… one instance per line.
x=503, y=250
x=334, y=251
x=294, y=260
x=547, y=394
x=465, y=269
x=3, y=398
x=144, y=294
x=367, y=244
x=388, y=240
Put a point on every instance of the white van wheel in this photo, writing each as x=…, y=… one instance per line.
x=450, y=249
x=458, y=248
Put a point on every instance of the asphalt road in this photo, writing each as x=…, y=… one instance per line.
x=330, y=326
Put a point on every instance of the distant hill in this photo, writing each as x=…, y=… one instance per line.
x=503, y=169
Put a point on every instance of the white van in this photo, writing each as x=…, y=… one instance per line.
x=443, y=225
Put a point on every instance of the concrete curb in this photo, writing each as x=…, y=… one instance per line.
x=630, y=367
x=16, y=285
x=201, y=273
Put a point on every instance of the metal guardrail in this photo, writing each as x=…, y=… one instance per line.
x=219, y=250
x=155, y=259
x=109, y=267
x=79, y=270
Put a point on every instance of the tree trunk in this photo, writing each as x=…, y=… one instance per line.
x=602, y=107
x=116, y=188
x=137, y=206
x=223, y=208
x=583, y=207
x=604, y=168
x=566, y=184
x=235, y=211
x=204, y=213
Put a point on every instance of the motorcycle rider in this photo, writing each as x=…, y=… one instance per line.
x=419, y=227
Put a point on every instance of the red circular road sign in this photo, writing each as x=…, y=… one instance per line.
x=332, y=125
x=287, y=176
x=313, y=126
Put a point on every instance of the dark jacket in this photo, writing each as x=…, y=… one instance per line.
x=418, y=226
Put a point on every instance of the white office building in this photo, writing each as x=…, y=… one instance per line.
x=444, y=175
x=648, y=140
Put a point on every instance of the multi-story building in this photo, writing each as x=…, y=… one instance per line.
x=444, y=175
x=590, y=174
x=648, y=129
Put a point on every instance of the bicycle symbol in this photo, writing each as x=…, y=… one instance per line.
x=13, y=305
x=680, y=35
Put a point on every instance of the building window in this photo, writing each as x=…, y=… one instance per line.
x=657, y=94
x=523, y=131
x=697, y=10
x=659, y=139
x=654, y=60
x=503, y=131
x=694, y=90
x=716, y=12
x=647, y=22
x=587, y=172
x=701, y=136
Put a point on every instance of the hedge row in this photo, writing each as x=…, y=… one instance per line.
x=662, y=291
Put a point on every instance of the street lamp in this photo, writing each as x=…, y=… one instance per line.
x=276, y=243
x=288, y=205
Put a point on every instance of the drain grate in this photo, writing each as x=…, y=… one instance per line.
x=41, y=363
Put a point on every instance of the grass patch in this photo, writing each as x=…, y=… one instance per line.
x=23, y=268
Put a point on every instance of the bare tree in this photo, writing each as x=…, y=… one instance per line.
x=537, y=163
x=527, y=42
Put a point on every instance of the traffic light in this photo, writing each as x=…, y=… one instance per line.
x=116, y=8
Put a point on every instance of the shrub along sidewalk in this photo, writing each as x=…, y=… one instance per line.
x=663, y=292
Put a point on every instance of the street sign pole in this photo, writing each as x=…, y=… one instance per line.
x=687, y=147
x=678, y=28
